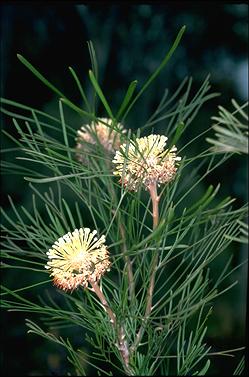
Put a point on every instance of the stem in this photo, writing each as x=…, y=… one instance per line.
x=155, y=214
x=155, y=201
x=102, y=298
x=122, y=344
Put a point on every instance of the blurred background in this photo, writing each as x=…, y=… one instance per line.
x=130, y=42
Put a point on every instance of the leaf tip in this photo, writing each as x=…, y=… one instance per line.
x=90, y=74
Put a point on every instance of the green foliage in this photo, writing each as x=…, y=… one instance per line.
x=240, y=367
x=190, y=235
x=231, y=130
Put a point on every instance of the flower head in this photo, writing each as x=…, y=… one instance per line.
x=78, y=258
x=145, y=161
x=99, y=132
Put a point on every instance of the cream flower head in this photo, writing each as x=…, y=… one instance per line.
x=109, y=138
x=145, y=161
x=78, y=258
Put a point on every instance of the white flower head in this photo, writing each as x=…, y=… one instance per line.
x=145, y=161
x=78, y=258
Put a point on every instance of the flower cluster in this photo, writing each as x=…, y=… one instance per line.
x=78, y=258
x=98, y=132
x=145, y=161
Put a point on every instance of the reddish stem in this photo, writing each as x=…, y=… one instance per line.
x=122, y=344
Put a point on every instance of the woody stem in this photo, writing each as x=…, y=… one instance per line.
x=122, y=344
x=103, y=301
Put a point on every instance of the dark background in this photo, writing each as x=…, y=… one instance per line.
x=130, y=42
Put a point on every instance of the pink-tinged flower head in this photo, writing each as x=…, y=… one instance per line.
x=78, y=258
x=98, y=132
x=145, y=161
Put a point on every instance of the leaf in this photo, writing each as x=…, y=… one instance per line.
x=39, y=75
x=179, y=131
x=100, y=94
x=158, y=70
x=127, y=98
x=51, y=86
x=229, y=136
x=80, y=88
x=240, y=367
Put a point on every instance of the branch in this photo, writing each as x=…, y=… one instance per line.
x=122, y=344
